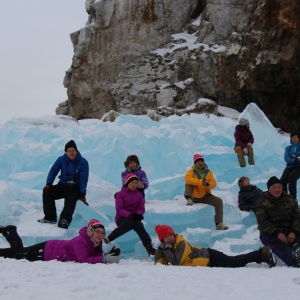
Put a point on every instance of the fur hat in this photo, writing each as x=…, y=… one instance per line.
x=93, y=224
x=242, y=180
x=70, y=144
x=273, y=180
x=131, y=158
x=243, y=121
x=198, y=157
x=163, y=230
x=129, y=178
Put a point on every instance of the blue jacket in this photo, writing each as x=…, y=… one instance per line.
x=76, y=169
x=292, y=149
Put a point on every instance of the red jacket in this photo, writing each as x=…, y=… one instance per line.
x=243, y=136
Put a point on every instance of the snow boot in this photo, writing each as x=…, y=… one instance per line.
x=16, y=244
x=268, y=257
x=296, y=255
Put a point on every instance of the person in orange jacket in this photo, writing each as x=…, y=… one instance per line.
x=175, y=250
x=199, y=181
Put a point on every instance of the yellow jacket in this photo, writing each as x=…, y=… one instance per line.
x=200, y=191
x=182, y=254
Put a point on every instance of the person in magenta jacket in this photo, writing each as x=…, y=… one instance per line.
x=130, y=208
x=84, y=248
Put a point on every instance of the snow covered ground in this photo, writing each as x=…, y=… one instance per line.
x=29, y=146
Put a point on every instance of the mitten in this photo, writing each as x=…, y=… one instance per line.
x=205, y=183
x=166, y=246
x=138, y=217
x=47, y=188
x=110, y=258
x=114, y=251
x=245, y=151
x=82, y=198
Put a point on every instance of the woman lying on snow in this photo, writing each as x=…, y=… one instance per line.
x=84, y=248
x=175, y=250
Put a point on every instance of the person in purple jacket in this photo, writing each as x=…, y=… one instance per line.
x=84, y=248
x=243, y=142
x=130, y=208
x=132, y=166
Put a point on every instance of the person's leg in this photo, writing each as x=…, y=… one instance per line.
x=124, y=225
x=12, y=237
x=280, y=249
x=144, y=237
x=293, y=177
x=285, y=178
x=219, y=259
x=217, y=203
x=6, y=253
x=188, y=192
x=71, y=197
x=240, y=154
x=34, y=252
x=56, y=192
x=250, y=155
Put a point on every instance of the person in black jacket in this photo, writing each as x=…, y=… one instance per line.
x=248, y=195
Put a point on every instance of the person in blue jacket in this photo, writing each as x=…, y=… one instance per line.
x=73, y=179
x=291, y=173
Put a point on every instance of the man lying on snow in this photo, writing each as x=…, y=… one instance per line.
x=84, y=248
x=175, y=250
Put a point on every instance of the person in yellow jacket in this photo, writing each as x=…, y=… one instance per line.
x=199, y=181
x=175, y=250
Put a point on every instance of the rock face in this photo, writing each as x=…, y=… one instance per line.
x=145, y=56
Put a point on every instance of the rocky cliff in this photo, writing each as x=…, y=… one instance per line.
x=158, y=57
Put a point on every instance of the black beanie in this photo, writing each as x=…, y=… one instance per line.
x=273, y=180
x=70, y=144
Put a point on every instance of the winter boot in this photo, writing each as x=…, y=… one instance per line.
x=221, y=226
x=150, y=249
x=11, y=235
x=240, y=154
x=268, y=257
x=250, y=155
x=296, y=255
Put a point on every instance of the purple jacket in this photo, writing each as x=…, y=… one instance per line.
x=80, y=249
x=141, y=175
x=128, y=202
x=243, y=136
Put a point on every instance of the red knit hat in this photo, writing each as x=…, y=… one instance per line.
x=163, y=230
x=197, y=157
x=129, y=178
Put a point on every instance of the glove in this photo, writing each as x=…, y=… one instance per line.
x=249, y=144
x=138, y=217
x=111, y=258
x=245, y=151
x=47, y=188
x=82, y=198
x=297, y=161
x=166, y=246
x=205, y=183
x=115, y=251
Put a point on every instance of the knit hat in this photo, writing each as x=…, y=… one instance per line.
x=93, y=224
x=243, y=121
x=70, y=144
x=198, y=157
x=163, y=230
x=130, y=177
x=273, y=180
x=131, y=158
x=242, y=180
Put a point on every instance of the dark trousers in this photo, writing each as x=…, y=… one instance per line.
x=289, y=178
x=282, y=250
x=57, y=192
x=219, y=259
x=125, y=225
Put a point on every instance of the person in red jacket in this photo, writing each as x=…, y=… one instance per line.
x=243, y=142
x=84, y=248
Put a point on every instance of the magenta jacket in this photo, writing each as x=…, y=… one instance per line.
x=128, y=202
x=79, y=249
x=243, y=136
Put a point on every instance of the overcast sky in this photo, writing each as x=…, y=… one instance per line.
x=35, y=52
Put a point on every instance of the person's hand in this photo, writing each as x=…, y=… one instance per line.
x=111, y=257
x=47, y=188
x=291, y=237
x=245, y=150
x=82, y=198
x=205, y=183
x=166, y=246
x=293, y=156
x=135, y=216
x=282, y=237
x=140, y=185
x=249, y=144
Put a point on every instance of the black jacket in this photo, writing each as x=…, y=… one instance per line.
x=248, y=196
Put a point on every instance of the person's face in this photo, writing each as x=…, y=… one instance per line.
x=275, y=190
x=295, y=139
x=133, y=165
x=246, y=182
x=199, y=164
x=169, y=239
x=98, y=235
x=71, y=153
x=133, y=185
